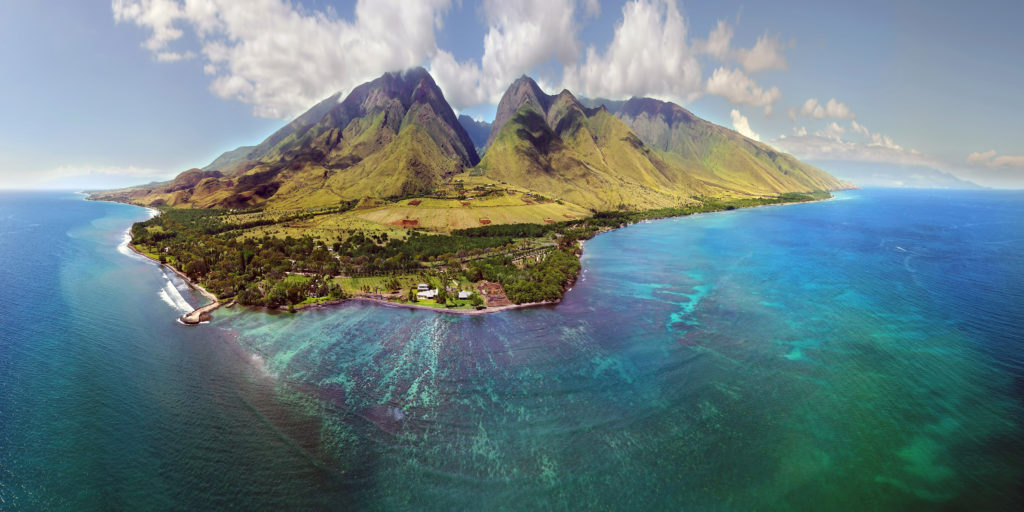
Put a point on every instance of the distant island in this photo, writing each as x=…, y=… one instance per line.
x=383, y=196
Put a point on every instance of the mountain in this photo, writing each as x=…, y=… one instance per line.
x=394, y=136
x=647, y=154
x=477, y=131
x=870, y=174
x=719, y=156
x=587, y=156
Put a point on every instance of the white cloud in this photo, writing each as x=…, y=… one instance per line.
x=832, y=131
x=859, y=128
x=799, y=132
x=832, y=109
x=885, y=141
x=174, y=56
x=741, y=124
x=717, y=44
x=766, y=54
x=738, y=88
x=982, y=168
x=649, y=55
x=981, y=158
x=989, y=159
x=84, y=177
x=521, y=35
x=820, y=147
x=281, y=58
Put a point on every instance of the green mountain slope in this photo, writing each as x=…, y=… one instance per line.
x=393, y=136
x=397, y=136
x=717, y=155
x=555, y=145
x=645, y=154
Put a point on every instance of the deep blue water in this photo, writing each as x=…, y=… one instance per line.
x=863, y=352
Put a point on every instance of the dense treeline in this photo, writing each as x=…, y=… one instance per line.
x=271, y=271
x=543, y=281
x=508, y=230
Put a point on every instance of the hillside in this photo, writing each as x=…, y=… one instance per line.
x=647, y=154
x=394, y=136
x=397, y=137
x=717, y=155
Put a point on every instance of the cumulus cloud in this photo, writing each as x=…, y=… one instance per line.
x=989, y=159
x=737, y=87
x=281, y=58
x=799, y=132
x=832, y=131
x=859, y=128
x=521, y=35
x=885, y=141
x=822, y=147
x=981, y=158
x=649, y=55
x=832, y=109
x=717, y=44
x=741, y=124
x=766, y=54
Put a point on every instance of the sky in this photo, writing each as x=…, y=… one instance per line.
x=98, y=94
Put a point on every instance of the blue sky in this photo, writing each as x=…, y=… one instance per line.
x=99, y=94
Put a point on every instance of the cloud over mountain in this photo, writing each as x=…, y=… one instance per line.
x=281, y=58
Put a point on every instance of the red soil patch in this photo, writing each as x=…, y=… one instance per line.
x=415, y=202
x=493, y=294
x=465, y=203
x=566, y=215
x=406, y=223
x=549, y=221
x=527, y=201
x=485, y=221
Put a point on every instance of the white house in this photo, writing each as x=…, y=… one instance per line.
x=427, y=294
x=463, y=295
x=422, y=287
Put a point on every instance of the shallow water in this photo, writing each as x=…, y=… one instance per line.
x=860, y=352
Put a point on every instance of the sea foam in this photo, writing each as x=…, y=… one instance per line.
x=170, y=295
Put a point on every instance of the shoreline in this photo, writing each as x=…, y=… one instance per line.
x=202, y=313
x=197, y=315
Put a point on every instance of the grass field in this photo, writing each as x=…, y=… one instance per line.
x=354, y=285
x=440, y=215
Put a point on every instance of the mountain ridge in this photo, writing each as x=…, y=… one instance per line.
x=396, y=136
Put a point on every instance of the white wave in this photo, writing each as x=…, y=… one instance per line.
x=123, y=246
x=170, y=294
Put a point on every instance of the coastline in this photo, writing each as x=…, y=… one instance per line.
x=202, y=313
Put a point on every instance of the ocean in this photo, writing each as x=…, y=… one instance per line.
x=858, y=353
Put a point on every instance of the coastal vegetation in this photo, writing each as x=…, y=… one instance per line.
x=248, y=255
x=385, y=190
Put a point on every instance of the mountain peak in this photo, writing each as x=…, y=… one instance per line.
x=523, y=91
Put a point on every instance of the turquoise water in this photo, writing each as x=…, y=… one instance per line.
x=862, y=352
